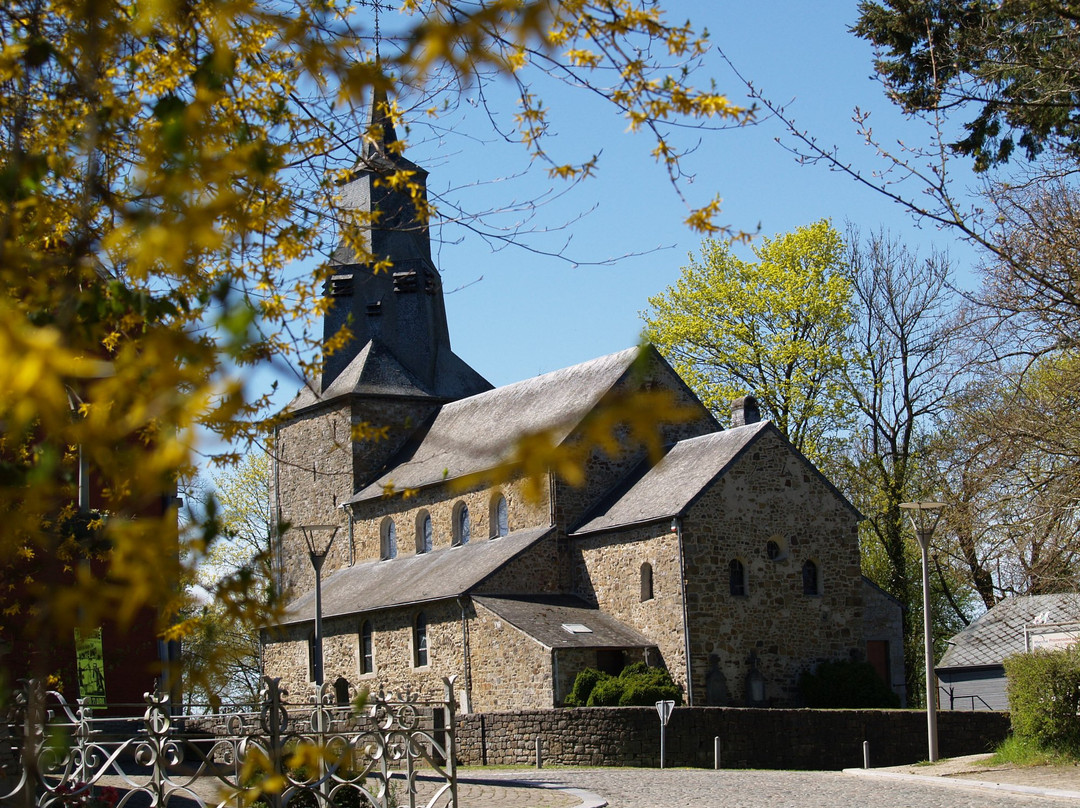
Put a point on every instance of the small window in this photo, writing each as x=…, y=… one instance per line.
x=462, y=530
x=811, y=585
x=646, y=582
x=500, y=517
x=420, y=641
x=388, y=539
x=737, y=578
x=367, y=648
x=341, y=691
x=776, y=548
x=423, y=532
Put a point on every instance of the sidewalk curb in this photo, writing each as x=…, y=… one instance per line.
x=965, y=783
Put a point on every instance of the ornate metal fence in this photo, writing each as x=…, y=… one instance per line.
x=392, y=753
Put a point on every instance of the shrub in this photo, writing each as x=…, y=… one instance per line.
x=1044, y=695
x=647, y=686
x=583, y=686
x=607, y=692
x=636, y=685
x=846, y=683
x=636, y=669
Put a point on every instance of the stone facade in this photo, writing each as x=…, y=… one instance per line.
x=883, y=627
x=608, y=572
x=771, y=496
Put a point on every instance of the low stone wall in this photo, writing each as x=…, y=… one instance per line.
x=749, y=738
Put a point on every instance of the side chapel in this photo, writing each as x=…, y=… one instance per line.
x=732, y=561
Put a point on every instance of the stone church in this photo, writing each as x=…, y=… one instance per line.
x=732, y=561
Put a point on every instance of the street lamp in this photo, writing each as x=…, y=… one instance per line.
x=924, y=518
x=317, y=558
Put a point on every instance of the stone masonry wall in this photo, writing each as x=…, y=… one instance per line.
x=439, y=503
x=770, y=495
x=884, y=620
x=314, y=477
x=602, y=470
x=285, y=651
x=607, y=572
x=320, y=466
x=749, y=738
x=534, y=571
x=509, y=670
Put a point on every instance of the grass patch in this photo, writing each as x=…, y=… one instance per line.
x=1025, y=752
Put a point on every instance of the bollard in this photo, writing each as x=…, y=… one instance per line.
x=716, y=752
x=539, y=758
x=866, y=754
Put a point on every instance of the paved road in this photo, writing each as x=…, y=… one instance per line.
x=695, y=788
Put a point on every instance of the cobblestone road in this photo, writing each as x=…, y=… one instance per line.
x=695, y=788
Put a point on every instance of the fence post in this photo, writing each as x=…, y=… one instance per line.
x=451, y=735
x=273, y=719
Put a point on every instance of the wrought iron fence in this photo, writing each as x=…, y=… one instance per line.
x=394, y=751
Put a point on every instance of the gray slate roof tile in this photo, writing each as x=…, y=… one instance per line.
x=444, y=573
x=478, y=433
x=542, y=617
x=666, y=489
x=1000, y=632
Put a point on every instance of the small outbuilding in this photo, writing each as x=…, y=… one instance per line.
x=971, y=675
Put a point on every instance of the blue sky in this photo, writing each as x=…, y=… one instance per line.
x=515, y=314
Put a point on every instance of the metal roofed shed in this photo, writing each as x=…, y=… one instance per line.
x=971, y=674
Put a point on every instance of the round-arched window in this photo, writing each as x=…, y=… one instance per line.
x=500, y=517
x=388, y=536
x=462, y=531
x=423, y=532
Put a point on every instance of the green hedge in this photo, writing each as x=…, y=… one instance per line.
x=1044, y=695
x=637, y=685
x=846, y=683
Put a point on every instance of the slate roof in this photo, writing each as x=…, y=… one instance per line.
x=669, y=487
x=444, y=573
x=542, y=617
x=1000, y=632
x=374, y=371
x=477, y=433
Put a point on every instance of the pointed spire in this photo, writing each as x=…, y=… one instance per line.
x=381, y=131
x=400, y=312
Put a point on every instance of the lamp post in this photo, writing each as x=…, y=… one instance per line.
x=317, y=558
x=924, y=518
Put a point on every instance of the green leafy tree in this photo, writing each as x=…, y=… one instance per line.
x=776, y=328
x=222, y=657
x=163, y=168
x=904, y=336
x=1012, y=62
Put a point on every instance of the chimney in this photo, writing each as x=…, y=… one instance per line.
x=745, y=411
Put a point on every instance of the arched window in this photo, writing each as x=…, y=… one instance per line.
x=811, y=584
x=388, y=539
x=776, y=548
x=461, y=523
x=420, y=641
x=341, y=691
x=646, y=582
x=367, y=648
x=499, y=517
x=423, y=532
x=737, y=577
